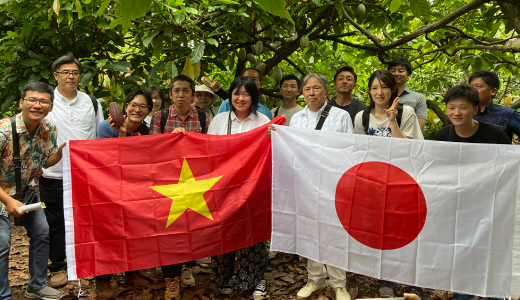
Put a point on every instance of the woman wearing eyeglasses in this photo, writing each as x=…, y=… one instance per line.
x=138, y=105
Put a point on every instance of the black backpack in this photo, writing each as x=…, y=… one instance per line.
x=94, y=103
x=366, y=118
x=200, y=112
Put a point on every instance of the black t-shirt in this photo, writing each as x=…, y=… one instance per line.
x=350, y=108
x=486, y=134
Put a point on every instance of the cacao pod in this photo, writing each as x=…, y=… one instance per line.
x=242, y=54
x=251, y=58
x=259, y=47
x=277, y=74
x=260, y=67
x=361, y=10
x=334, y=46
x=270, y=74
x=258, y=27
x=224, y=54
x=262, y=99
x=304, y=42
x=116, y=113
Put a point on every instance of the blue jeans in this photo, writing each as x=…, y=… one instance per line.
x=458, y=296
x=38, y=233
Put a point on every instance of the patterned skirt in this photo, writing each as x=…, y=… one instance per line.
x=250, y=264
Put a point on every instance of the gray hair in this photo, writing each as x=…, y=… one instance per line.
x=318, y=76
x=65, y=60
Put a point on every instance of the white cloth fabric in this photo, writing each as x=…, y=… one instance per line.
x=338, y=120
x=75, y=120
x=470, y=241
x=409, y=125
x=219, y=125
x=318, y=273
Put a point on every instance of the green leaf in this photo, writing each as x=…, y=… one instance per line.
x=197, y=52
x=420, y=8
x=79, y=10
x=433, y=84
x=132, y=9
x=30, y=62
x=212, y=42
x=149, y=38
x=35, y=77
x=103, y=7
x=276, y=7
x=115, y=22
x=158, y=46
x=477, y=65
x=171, y=69
x=121, y=66
x=101, y=63
x=45, y=73
x=394, y=6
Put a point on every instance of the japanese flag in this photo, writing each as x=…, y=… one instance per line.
x=424, y=213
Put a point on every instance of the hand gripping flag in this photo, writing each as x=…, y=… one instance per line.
x=142, y=202
x=424, y=213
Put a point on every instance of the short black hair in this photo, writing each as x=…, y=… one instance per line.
x=65, y=60
x=489, y=77
x=291, y=77
x=250, y=86
x=39, y=87
x=462, y=92
x=401, y=61
x=260, y=75
x=156, y=90
x=135, y=93
x=346, y=69
x=183, y=78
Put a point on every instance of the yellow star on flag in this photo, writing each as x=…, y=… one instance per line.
x=187, y=193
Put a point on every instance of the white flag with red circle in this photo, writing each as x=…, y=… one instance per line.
x=424, y=213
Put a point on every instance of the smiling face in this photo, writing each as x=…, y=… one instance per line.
x=289, y=89
x=345, y=82
x=137, y=109
x=203, y=99
x=400, y=74
x=35, y=112
x=241, y=100
x=460, y=111
x=315, y=94
x=181, y=95
x=380, y=93
x=67, y=82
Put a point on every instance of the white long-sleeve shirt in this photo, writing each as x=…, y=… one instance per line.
x=75, y=120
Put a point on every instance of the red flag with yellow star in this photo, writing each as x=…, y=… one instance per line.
x=142, y=202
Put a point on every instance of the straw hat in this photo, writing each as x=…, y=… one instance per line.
x=203, y=88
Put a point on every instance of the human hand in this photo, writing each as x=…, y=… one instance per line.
x=13, y=208
x=411, y=296
x=271, y=127
x=121, y=129
x=216, y=87
x=391, y=113
x=179, y=130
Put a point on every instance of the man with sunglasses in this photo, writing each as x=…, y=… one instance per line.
x=75, y=118
x=37, y=148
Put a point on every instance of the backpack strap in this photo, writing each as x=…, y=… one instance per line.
x=276, y=112
x=353, y=109
x=16, y=156
x=202, y=119
x=399, y=116
x=94, y=103
x=366, y=119
x=324, y=115
x=164, y=118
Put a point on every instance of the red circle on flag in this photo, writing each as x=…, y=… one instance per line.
x=380, y=205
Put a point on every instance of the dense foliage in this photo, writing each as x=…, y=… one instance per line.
x=127, y=44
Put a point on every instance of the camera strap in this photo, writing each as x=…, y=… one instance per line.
x=16, y=156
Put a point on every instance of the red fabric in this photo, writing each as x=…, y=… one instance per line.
x=120, y=222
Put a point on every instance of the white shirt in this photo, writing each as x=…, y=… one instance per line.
x=338, y=120
x=219, y=125
x=75, y=120
x=409, y=125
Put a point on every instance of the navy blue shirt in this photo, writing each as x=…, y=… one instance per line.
x=105, y=131
x=506, y=118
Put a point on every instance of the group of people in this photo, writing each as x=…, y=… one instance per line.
x=50, y=117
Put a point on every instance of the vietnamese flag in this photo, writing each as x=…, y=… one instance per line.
x=149, y=201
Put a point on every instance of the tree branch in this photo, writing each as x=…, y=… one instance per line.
x=370, y=36
x=328, y=38
x=285, y=58
x=437, y=110
x=55, y=23
x=510, y=11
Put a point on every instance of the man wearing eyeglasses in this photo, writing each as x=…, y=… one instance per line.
x=75, y=118
x=37, y=149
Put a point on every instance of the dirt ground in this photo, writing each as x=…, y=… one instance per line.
x=284, y=278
